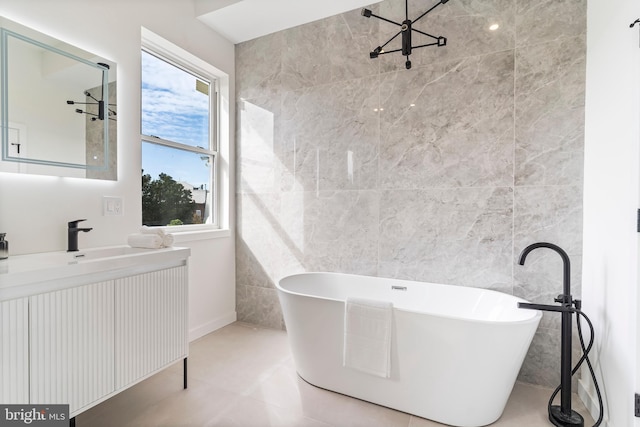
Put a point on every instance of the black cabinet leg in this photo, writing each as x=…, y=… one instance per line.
x=72, y=422
x=184, y=363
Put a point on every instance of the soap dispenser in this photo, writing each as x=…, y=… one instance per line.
x=4, y=247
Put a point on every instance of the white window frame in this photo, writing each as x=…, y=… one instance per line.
x=219, y=134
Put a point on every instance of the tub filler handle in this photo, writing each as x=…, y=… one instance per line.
x=398, y=288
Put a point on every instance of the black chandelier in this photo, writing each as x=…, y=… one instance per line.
x=111, y=113
x=406, y=27
x=102, y=106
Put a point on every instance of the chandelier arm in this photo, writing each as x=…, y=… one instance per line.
x=425, y=45
x=425, y=34
x=390, y=51
x=87, y=93
x=391, y=39
x=380, y=49
x=86, y=112
x=433, y=7
x=387, y=20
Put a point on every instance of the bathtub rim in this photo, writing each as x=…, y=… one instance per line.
x=535, y=317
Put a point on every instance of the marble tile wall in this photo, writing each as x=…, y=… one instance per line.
x=441, y=173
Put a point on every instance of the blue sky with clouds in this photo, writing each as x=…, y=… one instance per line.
x=173, y=109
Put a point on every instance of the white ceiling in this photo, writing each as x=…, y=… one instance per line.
x=242, y=20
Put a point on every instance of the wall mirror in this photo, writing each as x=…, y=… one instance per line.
x=58, y=112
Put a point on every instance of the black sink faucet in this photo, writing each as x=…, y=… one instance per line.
x=72, y=234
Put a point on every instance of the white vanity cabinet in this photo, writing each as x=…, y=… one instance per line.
x=72, y=345
x=14, y=351
x=151, y=323
x=92, y=329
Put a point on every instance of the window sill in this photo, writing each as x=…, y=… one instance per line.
x=181, y=236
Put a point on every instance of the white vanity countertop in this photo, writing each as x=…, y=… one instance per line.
x=25, y=275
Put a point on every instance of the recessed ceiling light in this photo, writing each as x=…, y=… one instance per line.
x=494, y=27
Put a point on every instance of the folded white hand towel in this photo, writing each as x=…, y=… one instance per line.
x=367, y=336
x=149, y=241
x=152, y=230
x=167, y=240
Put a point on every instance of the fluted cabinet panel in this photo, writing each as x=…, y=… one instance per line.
x=14, y=351
x=72, y=345
x=151, y=322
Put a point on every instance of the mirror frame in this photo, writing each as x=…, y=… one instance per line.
x=4, y=117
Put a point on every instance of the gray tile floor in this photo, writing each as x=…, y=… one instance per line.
x=244, y=376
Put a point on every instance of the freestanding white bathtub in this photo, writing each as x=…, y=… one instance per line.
x=455, y=351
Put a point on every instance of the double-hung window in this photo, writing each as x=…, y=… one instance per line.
x=179, y=144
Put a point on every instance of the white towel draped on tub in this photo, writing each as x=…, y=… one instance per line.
x=367, y=336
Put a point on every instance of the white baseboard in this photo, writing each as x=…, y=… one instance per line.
x=591, y=403
x=212, y=325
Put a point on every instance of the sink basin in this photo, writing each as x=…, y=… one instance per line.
x=108, y=252
x=22, y=275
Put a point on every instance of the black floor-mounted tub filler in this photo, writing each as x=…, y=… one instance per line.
x=563, y=415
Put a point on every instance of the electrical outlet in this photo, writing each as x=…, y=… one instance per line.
x=112, y=206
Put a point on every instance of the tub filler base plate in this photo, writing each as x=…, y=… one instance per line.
x=559, y=419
